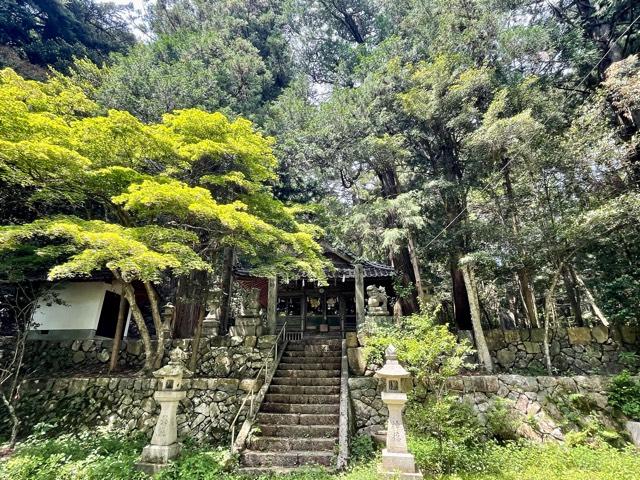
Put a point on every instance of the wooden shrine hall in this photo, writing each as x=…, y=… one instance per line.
x=309, y=307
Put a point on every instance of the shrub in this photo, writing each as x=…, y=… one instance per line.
x=86, y=456
x=362, y=448
x=446, y=436
x=624, y=394
x=429, y=351
x=201, y=464
x=502, y=421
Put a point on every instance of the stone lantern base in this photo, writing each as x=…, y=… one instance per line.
x=156, y=457
x=398, y=466
x=247, y=327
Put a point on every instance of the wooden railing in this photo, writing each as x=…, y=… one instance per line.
x=268, y=368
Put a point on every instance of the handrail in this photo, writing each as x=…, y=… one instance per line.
x=345, y=417
x=252, y=394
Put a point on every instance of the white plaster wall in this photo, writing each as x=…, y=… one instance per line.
x=82, y=304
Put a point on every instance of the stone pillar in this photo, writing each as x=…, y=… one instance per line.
x=248, y=323
x=211, y=324
x=272, y=302
x=377, y=312
x=164, y=444
x=359, y=279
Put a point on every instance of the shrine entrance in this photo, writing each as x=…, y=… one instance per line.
x=316, y=310
x=309, y=307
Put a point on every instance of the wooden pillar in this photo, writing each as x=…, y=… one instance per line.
x=272, y=302
x=359, y=274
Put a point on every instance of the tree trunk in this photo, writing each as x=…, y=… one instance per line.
x=549, y=300
x=524, y=276
x=117, y=339
x=592, y=301
x=195, y=347
x=130, y=295
x=162, y=326
x=226, y=286
x=190, y=291
x=401, y=261
x=461, y=307
x=400, y=257
x=15, y=421
x=478, y=333
x=528, y=297
x=573, y=294
x=415, y=263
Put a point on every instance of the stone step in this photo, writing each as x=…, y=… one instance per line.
x=267, y=472
x=305, y=354
x=310, y=366
x=304, y=390
x=306, y=381
x=314, y=348
x=303, y=419
x=318, y=339
x=299, y=431
x=252, y=458
x=284, y=444
x=307, y=399
x=312, y=360
x=299, y=408
x=288, y=373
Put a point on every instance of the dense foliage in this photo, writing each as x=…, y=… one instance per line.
x=171, y=196
x=624, y=395
x=99, y=456
x=428, y=350
x=428, y=132
x=37, y=34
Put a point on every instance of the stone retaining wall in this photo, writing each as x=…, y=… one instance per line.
x=127, y=403
x=540, y=402
x=235, y=357
x=578, y=350
x=370, y=414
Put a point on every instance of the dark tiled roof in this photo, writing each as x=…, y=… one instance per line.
x=345, y=269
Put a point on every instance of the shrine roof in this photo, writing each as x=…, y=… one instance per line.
x=344, y=266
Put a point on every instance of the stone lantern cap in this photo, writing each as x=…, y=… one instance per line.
x=392, y=368
x=175, y=367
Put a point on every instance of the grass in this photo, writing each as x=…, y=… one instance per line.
x=110, y=457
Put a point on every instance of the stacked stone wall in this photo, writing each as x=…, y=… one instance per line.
x=234, y=357
x=540, y=402
x=578, y=350
x=127, y=404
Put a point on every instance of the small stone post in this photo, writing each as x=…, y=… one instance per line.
x=164, y=444
x=211, y=323
x=272, y=302
x=397, y=462
x=359, y=284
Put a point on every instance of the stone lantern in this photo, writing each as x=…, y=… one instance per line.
x=164, y=444
x=211, y=323
x=397, y=462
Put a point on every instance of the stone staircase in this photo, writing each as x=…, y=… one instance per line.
x=298, y=421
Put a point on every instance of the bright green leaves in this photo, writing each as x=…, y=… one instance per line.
x=448, y=92
x=133, y=253
x=211, y=138
x=121, y=139
x=137, y=176
x=54, y=172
